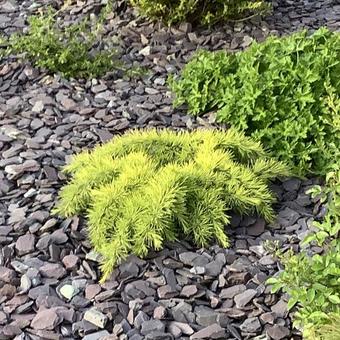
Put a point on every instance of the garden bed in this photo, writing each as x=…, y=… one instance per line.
x=49, y=277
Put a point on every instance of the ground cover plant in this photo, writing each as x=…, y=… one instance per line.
x=67, y=49
x=283, y=92
x=145, y=188
x=313, y=282
x=200, y=11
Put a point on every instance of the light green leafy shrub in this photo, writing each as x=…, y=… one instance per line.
x=283, y=92
x=313, y=282
x=145, y=188
x=200, y=11
x=69, y=50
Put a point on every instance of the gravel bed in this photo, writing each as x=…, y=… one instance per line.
x=49, y=278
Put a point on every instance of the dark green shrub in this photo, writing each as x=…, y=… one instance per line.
x=283, y=92
x=69, y=50
x=201, y=11
x=144, y=188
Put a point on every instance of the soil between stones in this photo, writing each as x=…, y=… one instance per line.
x=49, y=276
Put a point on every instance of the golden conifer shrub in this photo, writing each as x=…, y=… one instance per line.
x=147, y=187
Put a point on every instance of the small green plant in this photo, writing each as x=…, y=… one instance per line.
x=3, y=42
x=273, y=247
x=313, y=282
x=70, y=50
x=283, y=92
x=200, y=11
x=329, y=228
x=145, y=188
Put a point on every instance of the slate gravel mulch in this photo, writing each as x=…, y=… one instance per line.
x=48, y=275
x=49, y=281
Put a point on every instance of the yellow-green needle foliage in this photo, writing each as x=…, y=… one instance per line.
x=147, y=187
x=328, y=331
